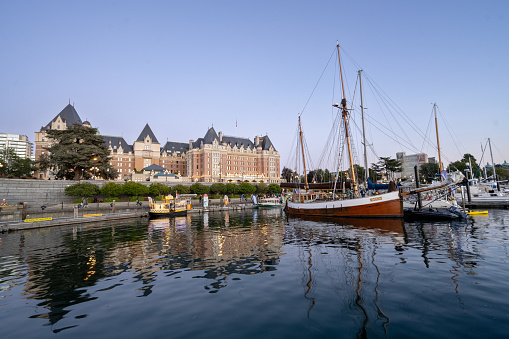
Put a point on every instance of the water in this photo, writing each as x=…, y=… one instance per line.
x=257, y=274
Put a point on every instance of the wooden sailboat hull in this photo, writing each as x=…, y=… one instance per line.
x=389, y=205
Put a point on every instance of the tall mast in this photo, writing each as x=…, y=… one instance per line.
x=366, y=171
x=493, y=164
x=303, y=157
x=344, y=111
x=438, y=140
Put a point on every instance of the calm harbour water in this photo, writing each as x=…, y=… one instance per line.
x=257, y=274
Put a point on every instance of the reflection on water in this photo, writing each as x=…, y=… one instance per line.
x=299, y=277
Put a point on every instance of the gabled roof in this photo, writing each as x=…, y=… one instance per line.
x=175, y=147
x=210, y=136
x=147, y=131
x=117, y=141
x=68, y=115
x=154, y=168
x=266, y=143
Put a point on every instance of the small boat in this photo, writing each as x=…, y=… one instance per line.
x=481, y=194
x=169, y=206
x=270, y=202
x=434, y=213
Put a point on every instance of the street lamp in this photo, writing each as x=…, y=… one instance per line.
x=94, y=169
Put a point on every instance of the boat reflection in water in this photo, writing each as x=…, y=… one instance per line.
x=344, y=250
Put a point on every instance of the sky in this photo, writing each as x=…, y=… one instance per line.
x=249, y=68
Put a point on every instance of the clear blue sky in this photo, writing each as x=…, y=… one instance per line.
x=183, y=66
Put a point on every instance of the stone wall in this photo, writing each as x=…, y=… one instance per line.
x=50, y=192
x=34, y=192
x=43, y=192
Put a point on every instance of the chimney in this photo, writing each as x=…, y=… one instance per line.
x=220, y=137
x=256, y=141
x=191, y=142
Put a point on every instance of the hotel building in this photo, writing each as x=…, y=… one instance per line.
x=213, y=158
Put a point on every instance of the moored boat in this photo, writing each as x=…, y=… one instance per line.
x=169, y=206
x=353, y=204
x=270, y=202
x=388, y=205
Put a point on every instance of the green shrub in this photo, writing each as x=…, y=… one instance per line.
x=112, y=189
x=180, y=189
x=261, y=188
x=230, y=188
x=217, y=188
x=157, y=188
x=135, y=188
x=85, y=189
x=246, y=188
x=198, y=188
x=274, y=188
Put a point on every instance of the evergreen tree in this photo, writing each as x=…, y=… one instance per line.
x=12, y=165
x=78, y=152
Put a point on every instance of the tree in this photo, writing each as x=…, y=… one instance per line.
x=377, y=170
x=274, y=188
x=387, y=166
x=359, y=172
x=85, y=189
x=12, y=164
x=502, y=173
x=428, y=171
x=112, y=189
x=78, y=152
x=198, y=188
x=463, y=164
x=287, y=174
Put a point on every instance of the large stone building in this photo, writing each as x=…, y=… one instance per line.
x=220, y=158
x=213, y=158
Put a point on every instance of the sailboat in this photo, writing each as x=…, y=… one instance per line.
x=320, y=203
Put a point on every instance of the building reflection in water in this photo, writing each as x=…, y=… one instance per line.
x=57, y=266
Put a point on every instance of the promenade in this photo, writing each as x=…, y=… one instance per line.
x=69, y=214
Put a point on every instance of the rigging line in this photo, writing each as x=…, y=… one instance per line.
x=374, y=84
x=390, y=103
x=386, y=104
x=290, y=160
x=453, y=136
x=377, y=99
x=496, y=149
x=319, y=79
x=427, y=138
x=330, y=140
x=427, y=130
x=413, y=148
